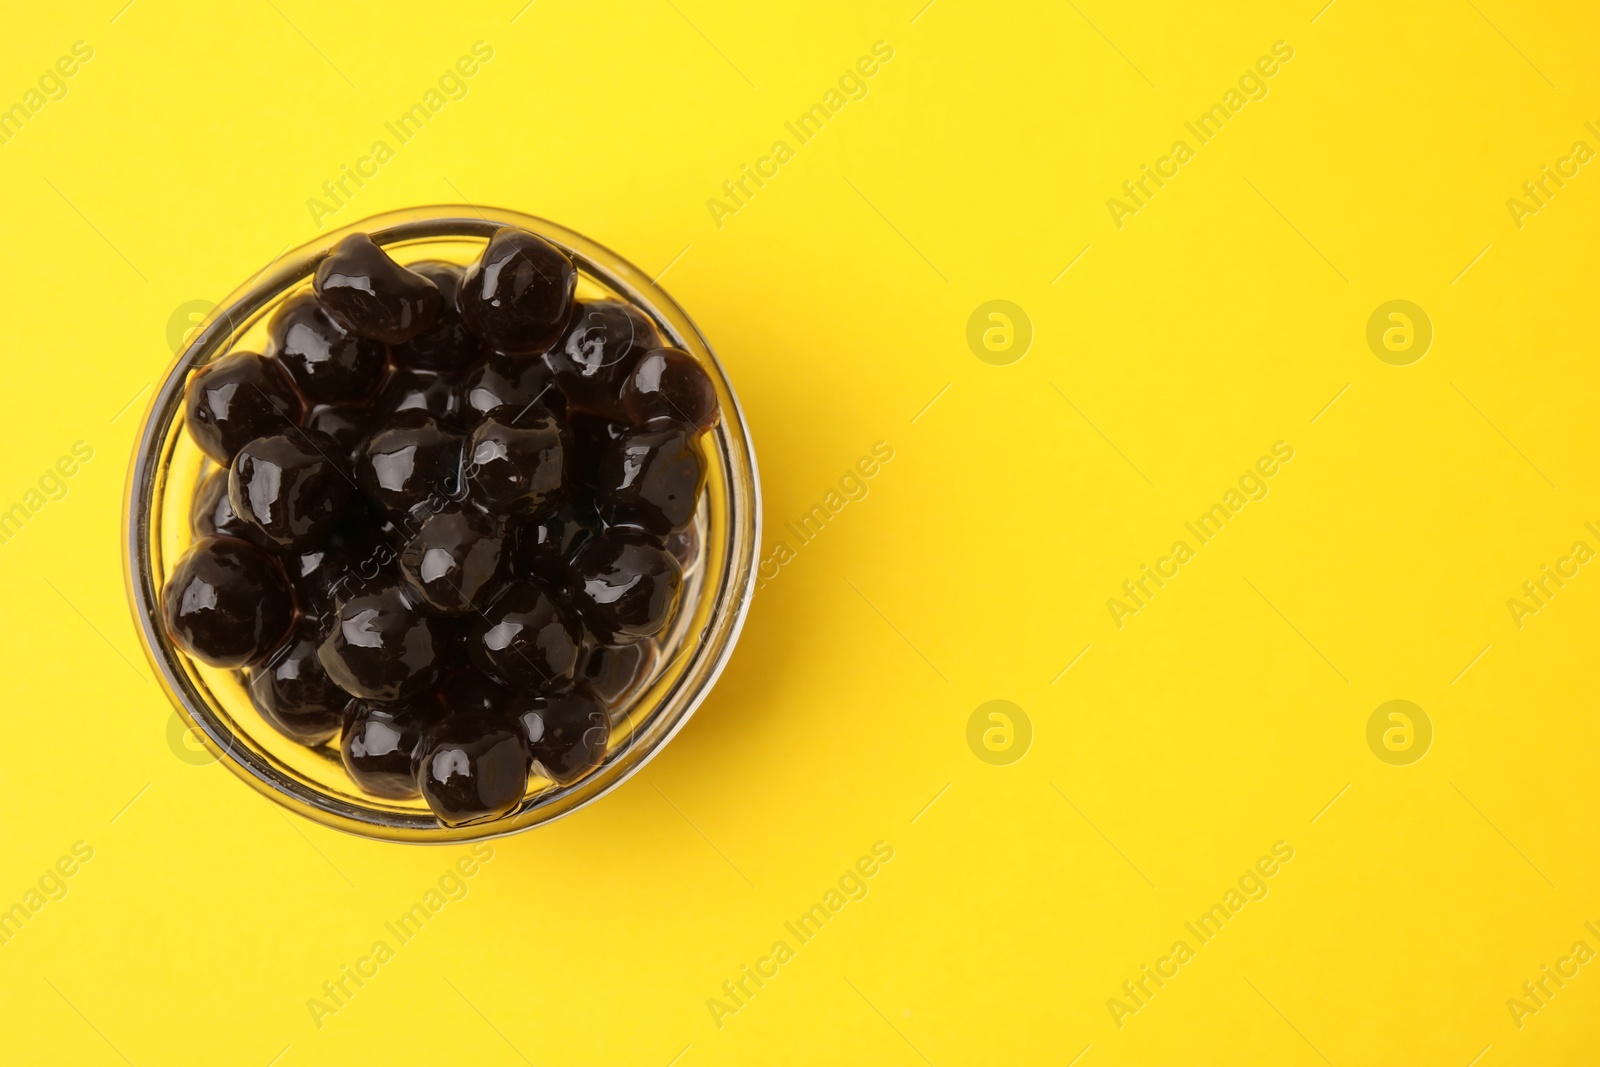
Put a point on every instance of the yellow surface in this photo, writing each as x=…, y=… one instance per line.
x=1226, y=718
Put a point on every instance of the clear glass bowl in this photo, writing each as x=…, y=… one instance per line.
x=167, y=467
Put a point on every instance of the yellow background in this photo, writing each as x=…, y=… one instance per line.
x=1223, y=717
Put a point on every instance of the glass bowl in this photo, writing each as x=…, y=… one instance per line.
x=167, y=466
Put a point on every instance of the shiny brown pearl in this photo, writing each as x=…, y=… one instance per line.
x=383, y=646
x=651, y=479
x=295, y=694
x=517, y=295
x=514, y=468
x=624, y=586
x=380, y=742
x=232, y=401
x=292, y=487
x=525, y=638
x=598, y=352
x=567, y=732
x=326, y=362
x=371, y=295
x=453, y=559
x=411, y=461
x=615, y=672
x=472, y=769
x=227, y=602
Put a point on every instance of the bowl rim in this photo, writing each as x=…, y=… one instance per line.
x=731, y=590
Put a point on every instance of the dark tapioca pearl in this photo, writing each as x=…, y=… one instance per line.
x=437, y=395
x=598, y=352
x=684, y=546
x=525, y=638
x=370, y=294
x=293, y=692
x=472, y=769
x=670, y=385
x=651, y=479
x=517, y=296
x=324, y=360
x=523, y=388
x=212, y=513
x=449, y=345
x=591, y=437
x=345, y=423
x=567, y=732
x=615, y=672
x=471, y=692
x=231, y=402
x=624, y=586
x=446, y=277
x=545, y=543
x=454, y=557
x=292, y=486
x=409, y=462
x=362, y=542
x=380, y=742
x=316, y=576
x=382, y=646
x=227, y=602
x=514, y=468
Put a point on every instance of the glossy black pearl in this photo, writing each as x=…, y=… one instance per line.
x=448, y=345
x=684, y=546
x=591, y=437
x=651, y=479
x=598, y=352
x=517, y=296
x=471, y=692
x=383, y=646
x=227, y=602
x=371, y=295
x=514, y=468
x=615, y=672
x=525, y=639
x=326, y=362
x=670, y=385
x=408, y=463
x=234, y=400
x=430, y=393
x=317, y=576
x=293, y=692
x=212, y=513
x=516, y=390
x=567, y=732
x=624, y=586
x=345, y=423
x=471, y=769
x=380, y=742
x=453, y=558
x=292, y=487
x=545, y=543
